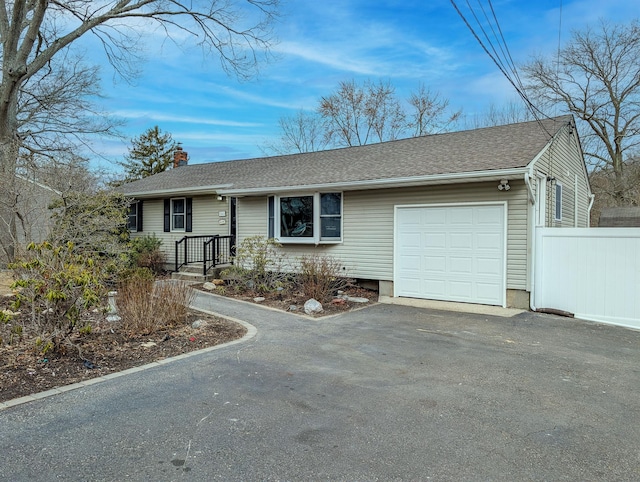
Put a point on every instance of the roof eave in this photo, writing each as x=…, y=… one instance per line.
x=194, y=191
x=448, y=178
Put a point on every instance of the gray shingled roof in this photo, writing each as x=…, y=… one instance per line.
x=479, y=150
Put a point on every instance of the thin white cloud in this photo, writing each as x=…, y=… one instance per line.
x=136, y=114
x=327, y=56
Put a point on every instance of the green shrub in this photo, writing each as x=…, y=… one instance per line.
x=57, y=288
x=258, y=266
x=320, y=277
x=146, y=253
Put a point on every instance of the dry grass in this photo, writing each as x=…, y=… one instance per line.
x=146, y=306
x=5, y=282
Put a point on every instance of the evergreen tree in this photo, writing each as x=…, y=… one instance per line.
x=150, y=153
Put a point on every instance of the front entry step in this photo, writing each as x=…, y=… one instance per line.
x=193, y=272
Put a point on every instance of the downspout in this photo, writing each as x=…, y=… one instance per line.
x=527, y=181
x=575, y=200
x=532, y=226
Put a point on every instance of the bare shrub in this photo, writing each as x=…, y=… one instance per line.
x=258, y=266
x=146, y=306
x=320, y=277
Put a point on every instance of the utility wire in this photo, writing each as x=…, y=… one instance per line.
x=505, y=65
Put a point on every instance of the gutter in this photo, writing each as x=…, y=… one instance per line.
x=385, y=183
x=213, y=189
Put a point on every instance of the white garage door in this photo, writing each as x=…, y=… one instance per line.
x=452, y=253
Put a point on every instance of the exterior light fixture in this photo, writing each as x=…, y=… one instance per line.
x=504, y=185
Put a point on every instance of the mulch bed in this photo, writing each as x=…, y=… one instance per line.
x=24, y=371
x=285, y=301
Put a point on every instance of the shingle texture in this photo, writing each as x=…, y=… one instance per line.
x=620, y=217
x=487, y=149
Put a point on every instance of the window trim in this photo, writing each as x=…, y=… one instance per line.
x=274, y=224
x=136, y=205
x=183, y=214
x=133, y=206
x=557, y=208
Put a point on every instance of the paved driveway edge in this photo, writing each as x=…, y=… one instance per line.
x=251, y=332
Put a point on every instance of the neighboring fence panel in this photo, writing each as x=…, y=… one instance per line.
x=593, y=273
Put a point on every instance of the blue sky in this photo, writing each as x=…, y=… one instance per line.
x=321, y=43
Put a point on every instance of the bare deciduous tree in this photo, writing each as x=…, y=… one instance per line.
x=302, y=132
x=356, y=115
x=597, y=78
x=36, y=37
x=429, y=113
x=511, y=112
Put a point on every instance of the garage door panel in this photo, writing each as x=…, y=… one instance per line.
x=435, y=240
x=460, y=290
x=433, y=217
x=451, y=253
x=488, y=267
x=461, y=240
x=461, y=265
x=434, y=264
x=489, y=215
x=410, y=263
x=491, y=241
x=411, y=240
x=437, y=287
x=461, y=216
x=488, y=291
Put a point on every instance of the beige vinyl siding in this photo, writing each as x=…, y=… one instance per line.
x=562, y=161
x=205, y=221
x=368, y=225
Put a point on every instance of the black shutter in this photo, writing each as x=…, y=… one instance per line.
x=139, y=216
x=271, y=216
x=188, y=226
x=167, y=215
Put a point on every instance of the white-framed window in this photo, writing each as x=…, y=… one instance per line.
x=132, y=220
x=557, y=213
x=178, y=214
x=306, y=218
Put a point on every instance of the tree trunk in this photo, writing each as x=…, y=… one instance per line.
x=9, y=151
x=617, y=164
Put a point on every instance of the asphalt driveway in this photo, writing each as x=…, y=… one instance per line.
x=384, y=393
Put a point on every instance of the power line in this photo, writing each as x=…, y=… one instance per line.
x=503, y=61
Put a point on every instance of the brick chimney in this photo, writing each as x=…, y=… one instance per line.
x=180, y=157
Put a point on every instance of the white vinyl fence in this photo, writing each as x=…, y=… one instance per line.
x=593, y=273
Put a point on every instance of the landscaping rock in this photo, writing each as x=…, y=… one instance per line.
x=259, y=299
x=113, y=318
x=209, y=286
x=338, y=301
x=293, y=308
x=356, y=299
x=218, y=282
x=198, y=324
x=312, y=307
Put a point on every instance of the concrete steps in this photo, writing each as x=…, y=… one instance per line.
x=193, y=272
